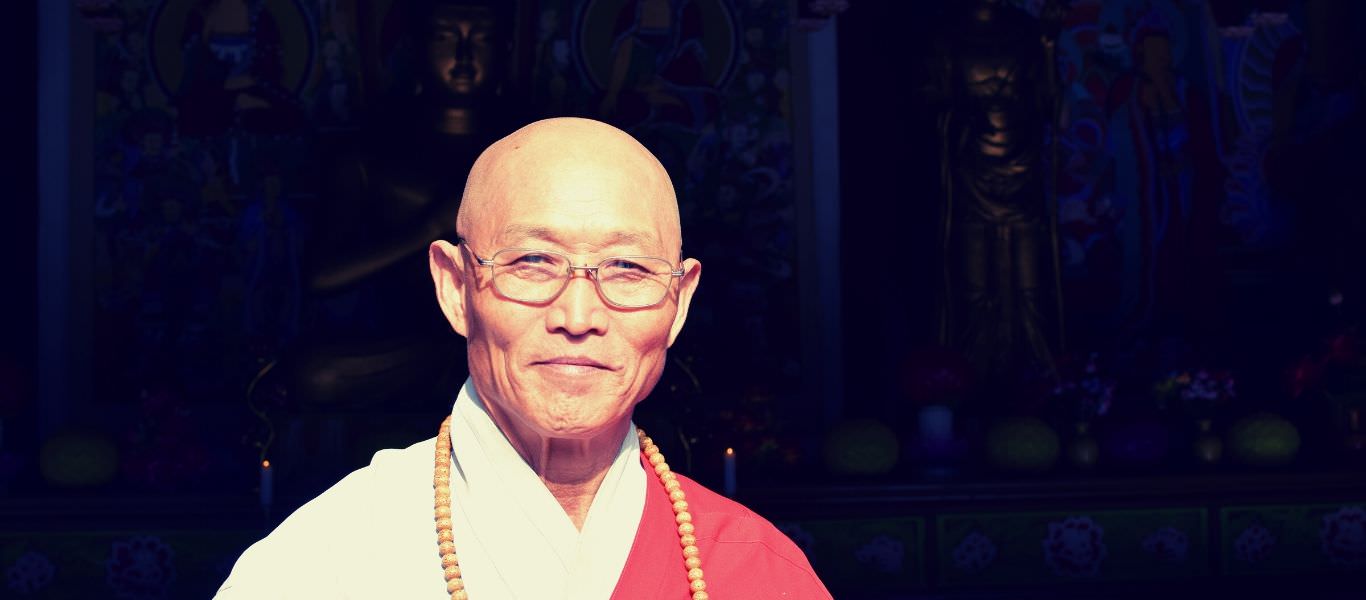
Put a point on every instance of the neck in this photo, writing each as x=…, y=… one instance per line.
x=456, y=121
x=572, y=469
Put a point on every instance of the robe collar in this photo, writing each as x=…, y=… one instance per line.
x=513, y=537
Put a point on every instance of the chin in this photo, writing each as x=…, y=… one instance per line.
x=573, y=416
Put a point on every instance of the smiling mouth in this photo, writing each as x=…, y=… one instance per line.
x=573, y=364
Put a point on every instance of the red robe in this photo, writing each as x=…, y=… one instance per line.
x=744, y=557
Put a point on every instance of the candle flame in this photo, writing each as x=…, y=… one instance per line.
x=730, y=451
x=265, y=464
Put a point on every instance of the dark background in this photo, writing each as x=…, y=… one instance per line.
x=1272, y=295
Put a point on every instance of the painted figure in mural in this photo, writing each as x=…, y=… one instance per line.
x=658, y=70
x=233, y=71
x=1169, y=178
x=375, y=335
x=994, y=104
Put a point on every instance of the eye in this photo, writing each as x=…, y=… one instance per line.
x=534, y=259
x=622, y=264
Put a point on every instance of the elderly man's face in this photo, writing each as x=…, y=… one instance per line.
x=574, y=366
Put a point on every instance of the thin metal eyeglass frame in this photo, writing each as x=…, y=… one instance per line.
x=674, y=273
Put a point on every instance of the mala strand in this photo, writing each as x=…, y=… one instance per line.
x=445, y=539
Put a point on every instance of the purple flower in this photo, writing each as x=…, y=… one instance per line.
x=974, y=553
x=1343, y=536
x=1168, y=544
x=1254, y=544
x=883, y=553
x=1075, y=547
x=30, y=573
x=140, y=567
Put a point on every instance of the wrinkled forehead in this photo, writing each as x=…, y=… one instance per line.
x=573, y=196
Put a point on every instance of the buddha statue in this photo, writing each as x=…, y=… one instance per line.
x=993, y=101
x=374, y=336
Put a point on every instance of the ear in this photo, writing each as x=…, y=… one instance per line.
x=449, y=276
x=692, y=274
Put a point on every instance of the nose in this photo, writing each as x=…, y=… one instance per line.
x=578, y=310
x=464, y=54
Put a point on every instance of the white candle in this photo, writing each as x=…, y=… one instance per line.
x=267, y=484
x=730, y=473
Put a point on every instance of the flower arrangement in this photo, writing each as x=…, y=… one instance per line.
x=1083, y=390
x=1336, y=368
x=1198, y=393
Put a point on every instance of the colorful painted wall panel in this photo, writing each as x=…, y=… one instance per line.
x=119, y=564
x=1053, y=547
x=1269, y=540
x=866, y=554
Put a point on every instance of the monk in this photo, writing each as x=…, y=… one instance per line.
x=568, y=283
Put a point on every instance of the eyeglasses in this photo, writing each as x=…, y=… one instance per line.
x=538, y=276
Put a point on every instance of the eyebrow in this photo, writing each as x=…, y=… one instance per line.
x=616, y=238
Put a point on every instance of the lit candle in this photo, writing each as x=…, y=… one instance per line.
x=267, y=484
x=730, y=473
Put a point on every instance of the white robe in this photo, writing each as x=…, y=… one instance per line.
x=372, y=535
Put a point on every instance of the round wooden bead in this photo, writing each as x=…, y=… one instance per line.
x=442, y=504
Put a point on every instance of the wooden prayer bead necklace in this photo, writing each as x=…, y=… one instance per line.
x=441, y=485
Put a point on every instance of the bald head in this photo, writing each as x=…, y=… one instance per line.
x=577, y=165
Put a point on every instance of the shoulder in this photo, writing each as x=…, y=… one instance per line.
x=742, y=548
x=362, y=510
x=373, y=487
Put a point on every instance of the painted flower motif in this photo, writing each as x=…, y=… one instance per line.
x=1168, y=544
x=1074, y=547
x=140, y=568
x=801, y=537
x=1254, y=544
x=1343, y=536
x=31, y=572
x=883, y=553
x=974, y=553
